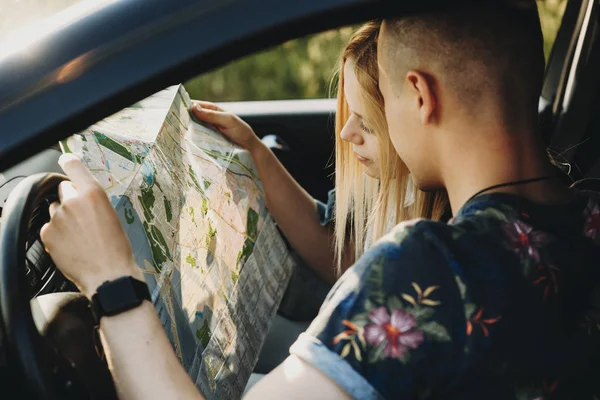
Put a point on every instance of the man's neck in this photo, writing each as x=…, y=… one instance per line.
x=485, y=159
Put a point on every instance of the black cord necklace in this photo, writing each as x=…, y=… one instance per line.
x=514, y=183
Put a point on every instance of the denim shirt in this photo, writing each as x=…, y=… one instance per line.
x=326, y=210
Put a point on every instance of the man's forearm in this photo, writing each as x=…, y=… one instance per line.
x=296, y=214
x=141, y=359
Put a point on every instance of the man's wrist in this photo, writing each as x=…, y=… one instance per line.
x=91, y=286
x=118, y=296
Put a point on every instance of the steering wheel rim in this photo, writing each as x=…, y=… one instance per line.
x=24, y=344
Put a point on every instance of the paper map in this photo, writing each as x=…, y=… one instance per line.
x=194, y=210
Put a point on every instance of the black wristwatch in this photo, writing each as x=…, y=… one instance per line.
x=120, y=295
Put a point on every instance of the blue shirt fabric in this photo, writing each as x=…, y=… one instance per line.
x=326, y=210
x=503, y=302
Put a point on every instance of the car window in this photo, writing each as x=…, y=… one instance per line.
x=551, y=13
x=304, y=68
x=298, y=69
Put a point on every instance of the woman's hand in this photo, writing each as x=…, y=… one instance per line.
x=84, y=236
x=230, y=125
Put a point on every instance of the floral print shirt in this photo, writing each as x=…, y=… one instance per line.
x=503, y=302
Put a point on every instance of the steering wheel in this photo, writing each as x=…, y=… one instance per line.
x=39, y=362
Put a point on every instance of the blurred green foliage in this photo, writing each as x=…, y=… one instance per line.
x=304, y=68
x=301, y=68
x=551, y=12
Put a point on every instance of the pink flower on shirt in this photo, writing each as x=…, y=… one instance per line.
x=398, y=332
x=524, y=240
x=592, y=220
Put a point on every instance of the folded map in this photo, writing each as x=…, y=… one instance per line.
x=194, y=209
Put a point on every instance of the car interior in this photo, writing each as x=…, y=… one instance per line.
x=301, y=134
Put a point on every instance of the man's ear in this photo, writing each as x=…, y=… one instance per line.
x=425, y=96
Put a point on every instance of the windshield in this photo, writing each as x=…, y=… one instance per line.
x=15, y=14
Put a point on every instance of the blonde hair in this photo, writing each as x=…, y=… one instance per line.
x=364, y=204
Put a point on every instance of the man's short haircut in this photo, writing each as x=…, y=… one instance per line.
x=487, y=47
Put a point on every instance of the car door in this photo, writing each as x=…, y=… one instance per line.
x=570, y=101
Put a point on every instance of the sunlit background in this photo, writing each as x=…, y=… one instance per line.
x=299, y=69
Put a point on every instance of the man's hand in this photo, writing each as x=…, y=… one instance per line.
x=88, y=244
x=228, y=124
x=84, y=236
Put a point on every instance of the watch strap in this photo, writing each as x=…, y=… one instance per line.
x=117, y=296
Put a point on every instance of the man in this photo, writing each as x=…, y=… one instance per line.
x=496, y=304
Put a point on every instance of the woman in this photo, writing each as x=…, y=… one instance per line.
x=373, y=190
x=366, y=208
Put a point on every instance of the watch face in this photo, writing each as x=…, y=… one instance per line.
x=118, y=295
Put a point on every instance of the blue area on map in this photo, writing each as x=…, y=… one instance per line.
x=114, y=201
x=141, y=249
x=100, y=134
x=148, y=174
x=262, y=207
x=135, y=232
